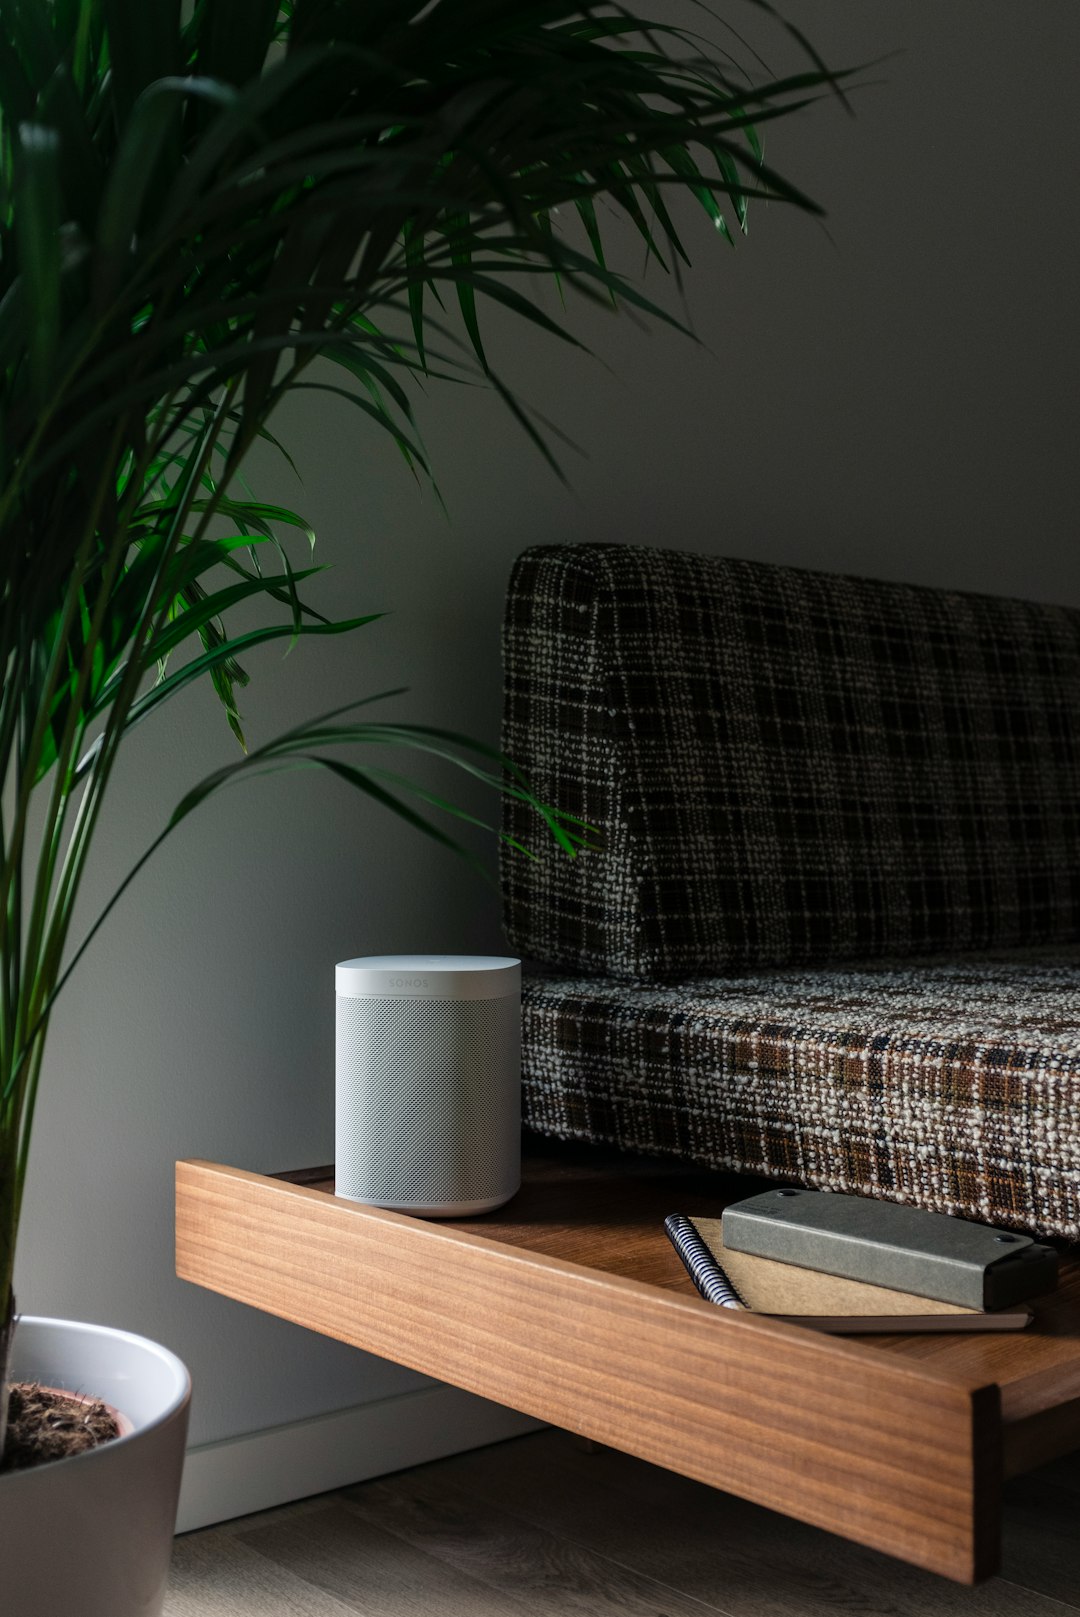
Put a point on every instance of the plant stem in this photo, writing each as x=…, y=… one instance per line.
x=7, y=1337
x=7, y=1296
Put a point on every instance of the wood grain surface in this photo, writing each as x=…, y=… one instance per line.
x=568, y=1306
x=607, y=1212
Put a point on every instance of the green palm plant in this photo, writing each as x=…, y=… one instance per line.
x=197, y=201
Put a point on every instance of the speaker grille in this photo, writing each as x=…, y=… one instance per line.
x=428, y=1100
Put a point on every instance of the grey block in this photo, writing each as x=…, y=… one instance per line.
x=905, y=1248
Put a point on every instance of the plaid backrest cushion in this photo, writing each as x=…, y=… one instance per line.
x=786, y=767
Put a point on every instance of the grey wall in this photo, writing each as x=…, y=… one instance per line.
x=896, y=396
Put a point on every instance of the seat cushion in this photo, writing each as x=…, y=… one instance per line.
x=949, y=1084
x=785, y=767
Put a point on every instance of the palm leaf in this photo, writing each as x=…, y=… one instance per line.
x=38, y=217
x=199, y=200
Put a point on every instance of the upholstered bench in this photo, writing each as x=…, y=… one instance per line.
x=831, y=931
x=830, y=935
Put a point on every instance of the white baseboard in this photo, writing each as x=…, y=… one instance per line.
x=273, y=1467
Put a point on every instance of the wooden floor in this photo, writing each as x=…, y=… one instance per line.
x=541, y=1527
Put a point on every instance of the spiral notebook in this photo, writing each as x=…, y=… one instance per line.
x=822, y=1302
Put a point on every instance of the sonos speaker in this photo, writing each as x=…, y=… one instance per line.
x=428, y=1116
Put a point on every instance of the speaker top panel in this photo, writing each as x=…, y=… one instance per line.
x=429, y=976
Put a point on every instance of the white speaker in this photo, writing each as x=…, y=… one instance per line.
x=428, y=1116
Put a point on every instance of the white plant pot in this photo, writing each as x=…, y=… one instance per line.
x=91, y=1536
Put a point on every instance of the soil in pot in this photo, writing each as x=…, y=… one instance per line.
x=46, y=1424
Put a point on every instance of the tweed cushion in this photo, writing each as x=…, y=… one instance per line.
x=952, y=1085
x=786, y=767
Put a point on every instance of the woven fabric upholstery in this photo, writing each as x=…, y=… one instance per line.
x=787, y=767
x=954, y=1086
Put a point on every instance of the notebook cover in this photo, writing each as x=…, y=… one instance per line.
x=832, y=1303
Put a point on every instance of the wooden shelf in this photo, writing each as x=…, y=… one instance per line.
x=570, y=1304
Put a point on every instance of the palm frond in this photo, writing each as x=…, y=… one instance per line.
x=196, y=203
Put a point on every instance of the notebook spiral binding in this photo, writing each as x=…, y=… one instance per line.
x=701, y=1266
